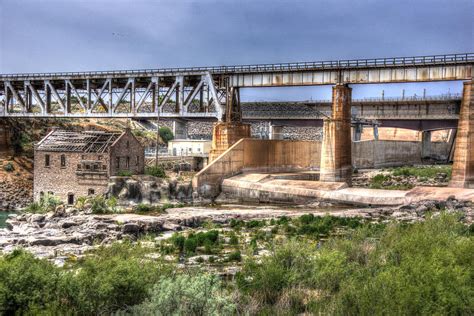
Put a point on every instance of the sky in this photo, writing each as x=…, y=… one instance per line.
x=82, y=35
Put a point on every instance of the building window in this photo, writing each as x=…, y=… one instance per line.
x=99, y=158
x=127, y=163
x=90, y=192
x=70, y=199
x=63, y=161
x=79, y=166
x=96, y=167
x=117, y=162
x=88, y=167
x=128, y=144
x=104, y=167
x=47, y=160
x=138, y=161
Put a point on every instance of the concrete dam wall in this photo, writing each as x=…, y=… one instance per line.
x=250, y=155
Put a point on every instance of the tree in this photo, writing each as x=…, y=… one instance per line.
x=166, y=134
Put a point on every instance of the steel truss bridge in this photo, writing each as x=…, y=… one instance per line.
x=202, y=92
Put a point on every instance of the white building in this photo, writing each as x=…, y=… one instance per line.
x=189, y=147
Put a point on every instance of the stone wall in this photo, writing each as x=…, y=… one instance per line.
x=62, y=181
x=127, y=147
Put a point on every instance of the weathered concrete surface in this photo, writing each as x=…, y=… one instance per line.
x=254, y=154
x=463, y=167
x=224, y=135
x=265, y=188
x=385, y=153
x=282, y=155
x=336, y=161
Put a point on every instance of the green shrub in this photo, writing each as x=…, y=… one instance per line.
x=166, y=134
x=145, y=208
x=178, y=241
x=233, y=240
x=8, y=167
x=235, y=256
x=124, y=173
x=26, y=283
x=101, y=205
x=423, y=268
x=187, y=295
x=156, y=171
x=47, y=203
x=115, y=278
x=190, y=245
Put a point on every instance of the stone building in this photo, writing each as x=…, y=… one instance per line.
x=72, y=164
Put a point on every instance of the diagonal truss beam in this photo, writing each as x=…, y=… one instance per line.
x=107, y=84
x=16, y=95
x=36, y=95
x=56, y=94
x=215, y=99
x=74, y=90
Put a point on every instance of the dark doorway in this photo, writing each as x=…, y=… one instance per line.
x=70, y=199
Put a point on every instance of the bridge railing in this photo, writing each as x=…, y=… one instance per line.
x=335, y=64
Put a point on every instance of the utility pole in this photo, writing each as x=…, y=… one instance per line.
x=157, y=134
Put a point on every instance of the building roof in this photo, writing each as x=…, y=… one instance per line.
x=84, y=142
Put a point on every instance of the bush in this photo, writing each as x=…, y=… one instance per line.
x=156, y=171
x=8, y=167
x=423, y=268
x=178, y=240
x=145, y=208
x=190, y=245
x=235, y=256
x=115, y=278
x=101, y=205
x=124, y=173
x=26, y=283
x=166, y=134
x=47, y=203
x=187, y=295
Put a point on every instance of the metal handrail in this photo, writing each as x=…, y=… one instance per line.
x=335, y=64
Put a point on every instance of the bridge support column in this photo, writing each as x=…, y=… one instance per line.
x=426, y=144
x=358, y=128
x=225, y=134
x=463, y=166
x=180, y=129
x=276, y=132
x=336, y=159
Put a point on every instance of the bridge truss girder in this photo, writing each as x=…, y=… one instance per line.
x=197, y=94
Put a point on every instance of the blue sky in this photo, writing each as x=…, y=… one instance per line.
x=79, y=35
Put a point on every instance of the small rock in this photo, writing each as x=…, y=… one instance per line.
x=130, y=228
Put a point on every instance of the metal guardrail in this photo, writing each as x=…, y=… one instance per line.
x=336, y=64
x=439, y=97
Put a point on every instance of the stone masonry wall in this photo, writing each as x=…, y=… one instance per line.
x=62, y=181
x=127, y=146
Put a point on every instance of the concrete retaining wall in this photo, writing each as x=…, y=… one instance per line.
x=255, y=154
x=283, y=156
x=385, y=153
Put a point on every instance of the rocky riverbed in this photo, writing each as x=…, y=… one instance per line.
x=68, y=231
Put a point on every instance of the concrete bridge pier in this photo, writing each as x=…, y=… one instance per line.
x=336, y=159
x=227, y=133
x=276, y=132
x=426, y=144
x=180, y=129
x=463, y=166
